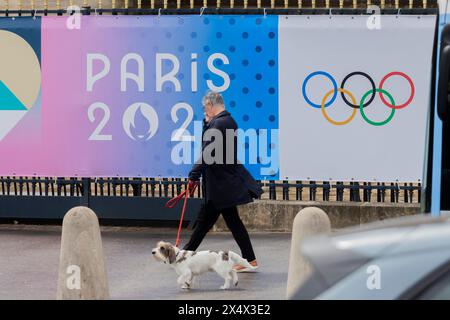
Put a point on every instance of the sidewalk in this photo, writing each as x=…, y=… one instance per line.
x=29, y=257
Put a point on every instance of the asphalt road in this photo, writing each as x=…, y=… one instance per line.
x=29, y=257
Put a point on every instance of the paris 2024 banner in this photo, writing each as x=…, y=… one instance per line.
x=315, y=97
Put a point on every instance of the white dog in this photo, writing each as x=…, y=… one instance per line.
x=188, y=264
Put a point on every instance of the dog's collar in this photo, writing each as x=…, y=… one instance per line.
x=182, y=256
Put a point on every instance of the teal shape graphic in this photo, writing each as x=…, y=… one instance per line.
x=8, y=101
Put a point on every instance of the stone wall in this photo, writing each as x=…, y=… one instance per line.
x=273, y=215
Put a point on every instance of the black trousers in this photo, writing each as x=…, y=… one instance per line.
x=206, y=220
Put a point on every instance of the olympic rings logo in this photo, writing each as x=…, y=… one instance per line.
x=365, y=99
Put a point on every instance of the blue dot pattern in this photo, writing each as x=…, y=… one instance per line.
x=252, y=97
x=249, y=42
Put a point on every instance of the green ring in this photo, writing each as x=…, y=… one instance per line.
x=361, y=108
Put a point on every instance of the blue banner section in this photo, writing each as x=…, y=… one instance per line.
x=246, y=54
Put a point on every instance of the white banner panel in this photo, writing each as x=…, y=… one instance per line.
x=370, y=136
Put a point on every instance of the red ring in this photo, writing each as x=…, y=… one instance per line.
x=411, y=84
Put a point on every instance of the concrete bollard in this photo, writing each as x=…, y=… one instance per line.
x=82, y=271
x=308, y=221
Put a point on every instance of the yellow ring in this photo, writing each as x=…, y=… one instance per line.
x=338, y=123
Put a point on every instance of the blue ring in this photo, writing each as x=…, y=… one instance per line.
x=335, y=87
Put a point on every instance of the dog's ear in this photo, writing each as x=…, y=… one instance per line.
x=172, y=255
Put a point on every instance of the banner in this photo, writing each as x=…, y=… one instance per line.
x=354, y=100
x=122, y=95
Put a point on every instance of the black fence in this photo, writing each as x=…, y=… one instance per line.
x=220, y=11
x=350, y=191
x=238, y=7
x=110, y=198
x=87, y=188
x=143, y=199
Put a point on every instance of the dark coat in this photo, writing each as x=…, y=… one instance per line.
x=225, y=183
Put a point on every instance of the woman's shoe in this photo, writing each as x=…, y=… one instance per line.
x=241, y=268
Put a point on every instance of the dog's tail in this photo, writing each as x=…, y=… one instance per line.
x=239, y=260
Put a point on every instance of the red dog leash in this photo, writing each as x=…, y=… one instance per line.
x=172, y=203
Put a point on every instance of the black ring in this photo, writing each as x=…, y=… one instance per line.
x=371, y=82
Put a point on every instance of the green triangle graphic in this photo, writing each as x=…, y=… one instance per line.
x=8, y=101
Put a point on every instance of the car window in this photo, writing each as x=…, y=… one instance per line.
x=438, y=290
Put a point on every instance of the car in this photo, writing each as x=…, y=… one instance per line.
x=401, y=258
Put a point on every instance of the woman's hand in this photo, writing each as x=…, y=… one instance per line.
x=206, y=118
x=191, y=186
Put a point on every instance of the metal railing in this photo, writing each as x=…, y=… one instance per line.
x=121, y=6
x=393, y=192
